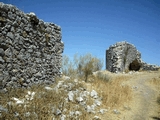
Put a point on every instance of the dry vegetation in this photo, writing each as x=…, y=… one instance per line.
x=45, y=103
x=110, y=87
x=81, y=66
x=113, y=93
x=112, y=90
x=156, y=82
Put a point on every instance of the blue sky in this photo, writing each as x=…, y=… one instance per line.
x=91, y=26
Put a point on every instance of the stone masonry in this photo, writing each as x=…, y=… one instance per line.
x=123, y=56
x=30, y=49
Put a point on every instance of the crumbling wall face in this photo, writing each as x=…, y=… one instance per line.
x=146, y=66
x=123, y=56
x=30, y=49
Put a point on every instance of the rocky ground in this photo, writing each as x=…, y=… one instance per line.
x=78, y=100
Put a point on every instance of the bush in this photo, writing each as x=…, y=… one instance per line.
x=88, y=64
x=81, y=66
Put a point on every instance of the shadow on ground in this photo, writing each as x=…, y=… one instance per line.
x=156, y=118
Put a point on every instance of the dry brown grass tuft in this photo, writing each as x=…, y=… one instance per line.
x=113, y=92
x=156, y=83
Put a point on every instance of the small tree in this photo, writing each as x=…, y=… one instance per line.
x=81, y=66
x=88, y=64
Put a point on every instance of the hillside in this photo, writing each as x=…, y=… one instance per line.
x=144, y=103
x=130, y=96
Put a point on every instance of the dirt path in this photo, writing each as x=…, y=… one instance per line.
x=143, y=106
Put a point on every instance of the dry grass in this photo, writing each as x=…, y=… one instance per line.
x=46, y=102
x=156, y=80
x=156, y=83
x=112, y=90
x=44, y=106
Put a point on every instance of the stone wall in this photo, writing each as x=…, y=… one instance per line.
x=124, y=56
x=146, y=66
x=30, y=49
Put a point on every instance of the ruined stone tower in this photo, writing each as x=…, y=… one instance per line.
x=124, y=56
